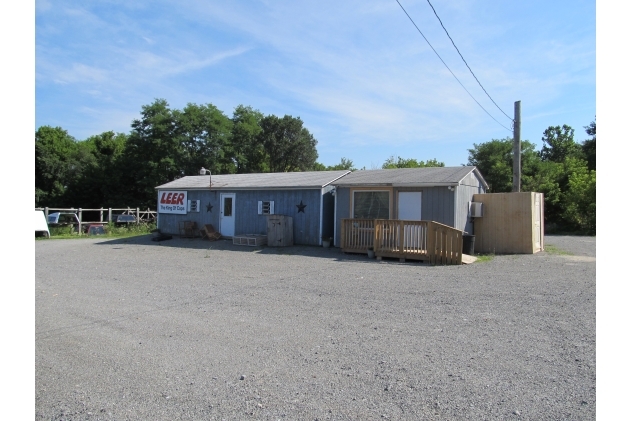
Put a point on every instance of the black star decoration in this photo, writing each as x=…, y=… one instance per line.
x=209, y=207
x=301, y=207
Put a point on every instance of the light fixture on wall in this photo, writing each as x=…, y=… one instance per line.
x=451, y=188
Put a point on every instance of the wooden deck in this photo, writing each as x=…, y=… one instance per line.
x=427, y=241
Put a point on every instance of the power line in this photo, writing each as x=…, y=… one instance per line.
x=452, y=73
x=465, y=61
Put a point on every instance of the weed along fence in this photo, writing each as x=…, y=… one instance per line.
x=415, y=240
x=104, y=214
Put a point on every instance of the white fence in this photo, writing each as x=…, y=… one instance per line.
x=105, y=214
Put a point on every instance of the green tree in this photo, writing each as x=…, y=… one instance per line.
x=288, y=145
x=589, y=146
x=152, y=154
x=580, y=199
x=345, y=164
x=246, y=145
x=100, y=183
x=399, y=162
x=494, y=159
x=55, y=165
x=203, y=133
x=558, y=144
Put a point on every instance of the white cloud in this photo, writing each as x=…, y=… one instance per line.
x=80, y=73
x=357, y=71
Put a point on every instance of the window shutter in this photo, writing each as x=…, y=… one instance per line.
x=189, y=206
x=260, y=207
x=271, y=207
x=198, y=203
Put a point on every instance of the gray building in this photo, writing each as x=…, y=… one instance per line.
x=440, y=194
x=238, y=204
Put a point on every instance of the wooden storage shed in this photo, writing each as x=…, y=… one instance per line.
x=280, y=231
x=439, y=194
x=510, y=223
x=239, y=204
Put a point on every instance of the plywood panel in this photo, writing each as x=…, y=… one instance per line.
x=509, y=223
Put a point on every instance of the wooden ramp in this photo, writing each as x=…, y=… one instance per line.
x=428, y=241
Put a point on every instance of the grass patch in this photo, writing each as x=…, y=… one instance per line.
x=131, y=230
x=555, y=250
x=484, y=257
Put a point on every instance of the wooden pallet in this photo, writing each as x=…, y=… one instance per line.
x=250, y=240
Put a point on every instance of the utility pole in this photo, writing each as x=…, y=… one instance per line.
x=517, y=148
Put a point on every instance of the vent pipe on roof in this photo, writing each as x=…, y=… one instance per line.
x=204, y=171
x=517, y=148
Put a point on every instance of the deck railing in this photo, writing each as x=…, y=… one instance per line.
x=358, y=235
x=420, y=240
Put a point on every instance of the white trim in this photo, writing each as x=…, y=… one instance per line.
x=335, y=179
x=335, y=217
x=270, y=207
x=234, y=212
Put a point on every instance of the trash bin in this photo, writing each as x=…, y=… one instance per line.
x=468, y=244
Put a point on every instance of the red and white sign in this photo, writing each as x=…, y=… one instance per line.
x=172, y=202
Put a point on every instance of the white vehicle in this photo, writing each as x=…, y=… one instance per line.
x=41, y=227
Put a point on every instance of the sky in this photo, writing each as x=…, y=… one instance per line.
x=361, y=77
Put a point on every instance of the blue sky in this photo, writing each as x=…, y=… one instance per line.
x=358, y=73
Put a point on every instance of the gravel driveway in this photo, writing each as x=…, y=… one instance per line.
x=188, y=329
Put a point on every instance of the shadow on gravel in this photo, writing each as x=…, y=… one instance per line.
x=226, y=245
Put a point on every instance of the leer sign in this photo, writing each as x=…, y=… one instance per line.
x=172, y=202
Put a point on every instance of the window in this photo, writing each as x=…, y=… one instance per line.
x=371, y=204
x=266, y=207
x=227, y=206
x=193, y=205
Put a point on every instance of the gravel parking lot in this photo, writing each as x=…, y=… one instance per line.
x=188, y=329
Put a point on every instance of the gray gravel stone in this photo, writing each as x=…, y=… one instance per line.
x=123, y=324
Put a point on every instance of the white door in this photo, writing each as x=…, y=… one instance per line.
x=410, y=205
x=409, y=209
x=226, y=218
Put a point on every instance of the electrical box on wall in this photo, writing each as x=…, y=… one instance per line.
x=476, y=209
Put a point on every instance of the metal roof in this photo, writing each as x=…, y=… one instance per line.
x=282, y=180
x=412, y=177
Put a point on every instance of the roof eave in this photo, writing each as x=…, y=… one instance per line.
x=437, y=184
x=243, y=188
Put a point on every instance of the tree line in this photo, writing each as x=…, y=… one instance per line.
x=122, y=169
x=564, y=170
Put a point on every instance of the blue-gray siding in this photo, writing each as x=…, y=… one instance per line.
x=469, y=186
x=437, y=204
x=248, y=221
x=342, y=204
